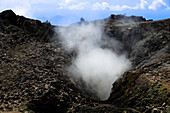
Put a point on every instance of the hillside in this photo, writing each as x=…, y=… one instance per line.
x=33, y=75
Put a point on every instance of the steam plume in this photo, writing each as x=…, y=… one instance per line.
x=97, y=62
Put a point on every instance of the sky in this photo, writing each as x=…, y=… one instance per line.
x=65, y=12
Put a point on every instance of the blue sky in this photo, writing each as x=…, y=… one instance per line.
x=65, y=12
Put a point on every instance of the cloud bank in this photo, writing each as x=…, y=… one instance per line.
x=81, y=5
x=29, y=7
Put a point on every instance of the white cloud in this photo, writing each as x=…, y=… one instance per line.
x=105, y=5
x=73, y=5
x=19, y=7
x=143, y=3
x=29, y=7
x=119, y=8
x=68, y=1
x=79, y=6
x=157, y=4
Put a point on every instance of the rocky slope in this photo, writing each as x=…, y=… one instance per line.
x=138, y=90
x=32, y=67
x=33, y=76
x=148, y=47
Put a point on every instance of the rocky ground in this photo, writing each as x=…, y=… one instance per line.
x=148, y=47
x=32, y=67
x=141, y=91
x=33, y=76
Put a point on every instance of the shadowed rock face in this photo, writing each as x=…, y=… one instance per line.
x=33, y=75
x=141, y=40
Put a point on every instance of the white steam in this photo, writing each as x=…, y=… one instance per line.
x=96, y=63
